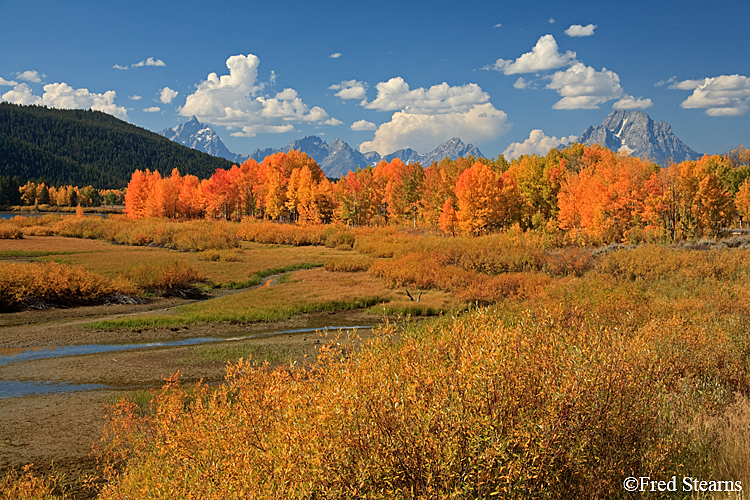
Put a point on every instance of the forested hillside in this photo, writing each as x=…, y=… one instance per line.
x=80, y=147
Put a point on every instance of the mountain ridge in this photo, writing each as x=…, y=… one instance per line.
x=336, y=159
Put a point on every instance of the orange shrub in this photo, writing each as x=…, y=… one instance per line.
x=168, y=279
x=9, y=231
x=50, y=283
x=475, y=407
x=25, y=485
x=348, y=264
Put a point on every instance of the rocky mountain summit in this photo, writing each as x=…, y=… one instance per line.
x=202, y=137
x=635, y=133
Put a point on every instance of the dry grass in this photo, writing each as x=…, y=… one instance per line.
x=727, y=438
x=229, y=266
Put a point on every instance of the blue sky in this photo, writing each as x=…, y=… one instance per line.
x=510, y=77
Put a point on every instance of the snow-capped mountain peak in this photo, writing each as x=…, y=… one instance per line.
x=635, y=133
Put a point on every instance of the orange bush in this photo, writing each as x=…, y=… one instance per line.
x=50, y=283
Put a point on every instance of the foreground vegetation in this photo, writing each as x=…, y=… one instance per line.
x=555, y=371
x=632, y=369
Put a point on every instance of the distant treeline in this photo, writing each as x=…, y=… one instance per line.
x=84, y=147
x=69, y=196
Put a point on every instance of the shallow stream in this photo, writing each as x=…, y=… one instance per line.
x=15, y=388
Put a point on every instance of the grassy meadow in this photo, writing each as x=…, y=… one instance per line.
x=549, y=371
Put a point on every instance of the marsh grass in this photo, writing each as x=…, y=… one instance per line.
x=729, y=441
x=31, y=254
x=273, y=354
x=633, y=372
x=220, y=255
x=258, y=277
x=307, y=291
x=349, y=264
x=587, y=367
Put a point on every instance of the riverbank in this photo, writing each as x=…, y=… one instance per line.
x=7, y=212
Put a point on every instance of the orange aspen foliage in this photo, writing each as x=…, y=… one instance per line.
x=538, y=182
x=606, y=197
x=191, y=202
x=248, y=180
x=137, y=195
x=706, y=203
x=448, y=220
x=440, y=185
x=486, y=200
x=403, y=188
x=742, y=200
x=156, y=197
x=219, y=194
x=359, y=198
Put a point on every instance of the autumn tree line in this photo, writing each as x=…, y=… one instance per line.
x=69, y=196
x=588, y=192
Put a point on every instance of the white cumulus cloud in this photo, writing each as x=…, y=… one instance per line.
x=21, y=94
x=395, y=94
x=522, y=83
x=630, y=102
x=538, y=143
x=582, y=87
x=544, y=56
x=724, y=95
x=146, y=62
x=425, y=117
x=363, y=125
x=149, y=62
x=425, y=131
x=62, y=95
x=335, y=55
x=236, y=100
x=135, y=97
x=7, y=83
x=153, y=109
x=576, y=30
x=30, y=76
x=167, y=95
x=350, y=89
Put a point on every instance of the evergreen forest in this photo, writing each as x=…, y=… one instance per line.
x=85, y=147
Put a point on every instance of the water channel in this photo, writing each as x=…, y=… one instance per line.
x=15, y=388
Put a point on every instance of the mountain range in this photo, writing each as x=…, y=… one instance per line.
x=632, y=132
x=336, y=159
